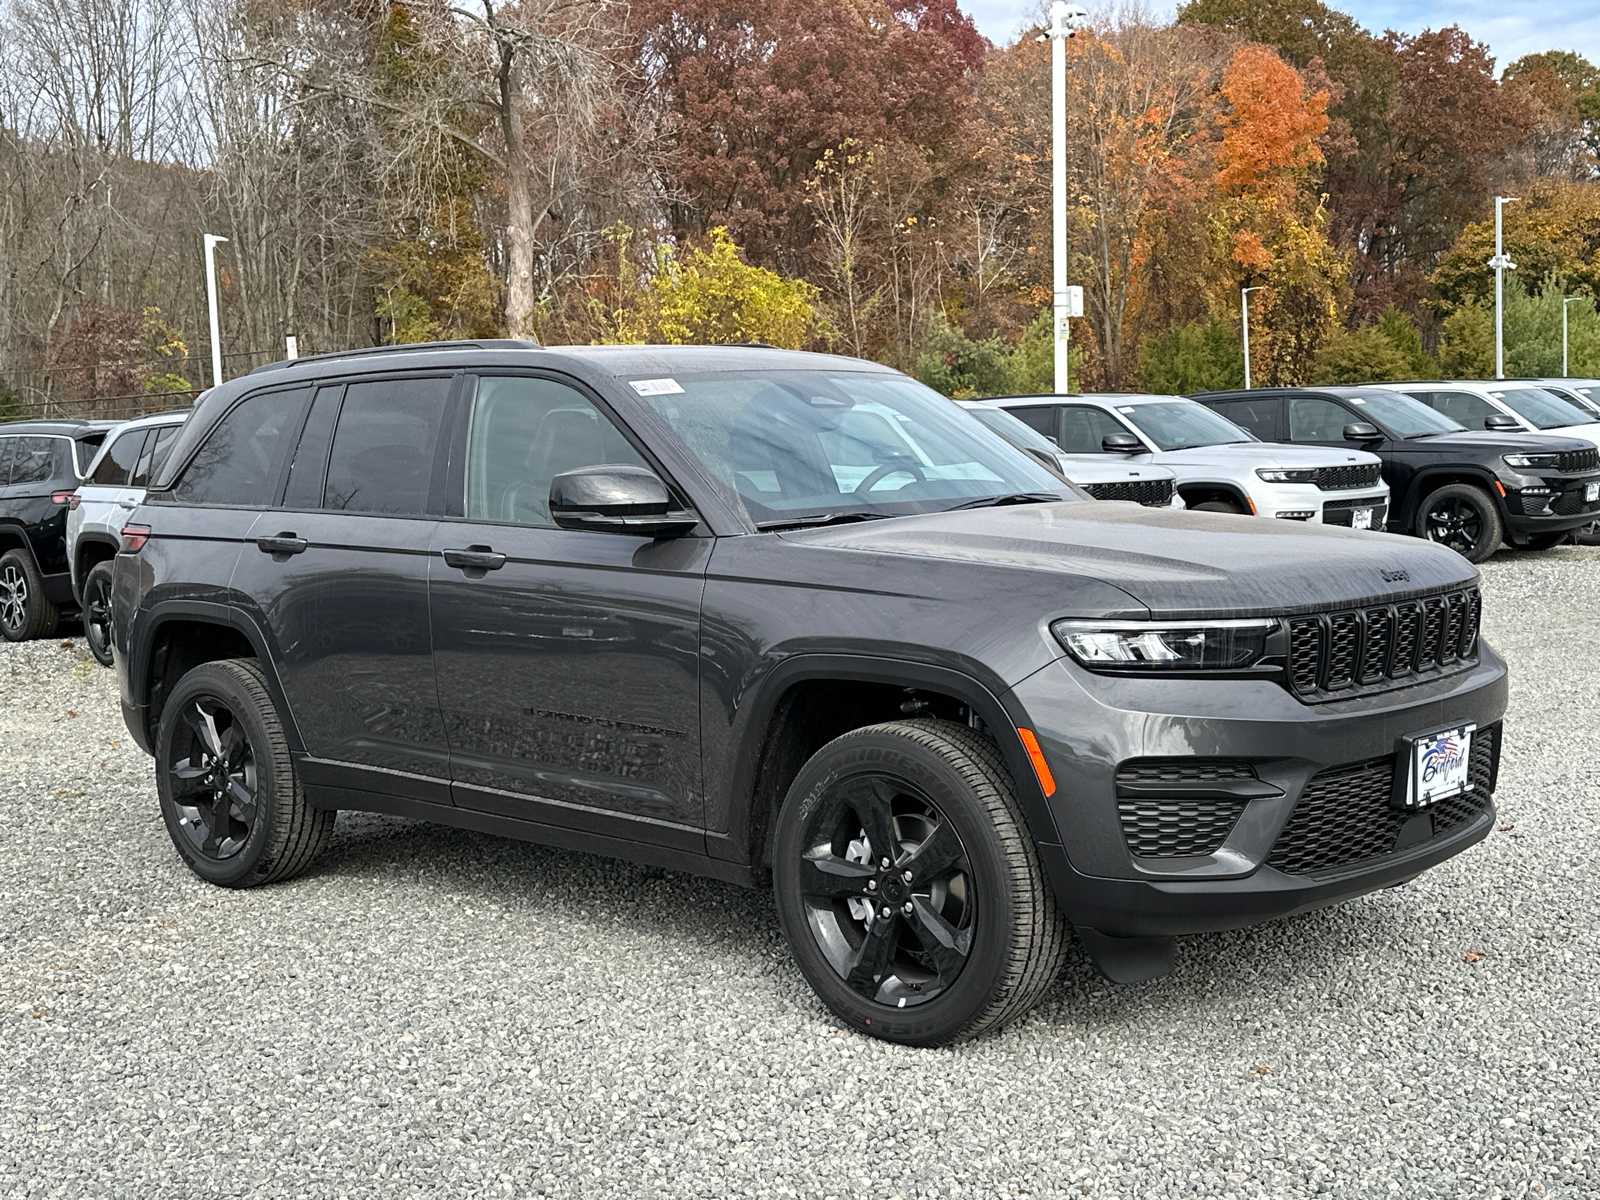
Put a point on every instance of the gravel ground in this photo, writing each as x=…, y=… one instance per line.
x=434, y=1013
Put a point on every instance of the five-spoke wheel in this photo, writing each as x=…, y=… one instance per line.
x=1464, y=518
x=97, y=612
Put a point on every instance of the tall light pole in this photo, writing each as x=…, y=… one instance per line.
x=1564, y=303
x=1244, y=310
x=212, y=241
x=1501, y=265
x=1065, y=20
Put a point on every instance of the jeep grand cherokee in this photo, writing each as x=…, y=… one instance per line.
x=697, y=607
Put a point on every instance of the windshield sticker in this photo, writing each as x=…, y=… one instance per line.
x=1357, y=400
x=1125, y=410
x=656, y=387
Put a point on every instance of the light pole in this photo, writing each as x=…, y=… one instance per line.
x=212, y=241
x=1501, y=265
x=1065, y=20
x=1244, y=309
x=1564, y=303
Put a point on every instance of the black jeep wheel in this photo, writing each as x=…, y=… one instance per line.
x=97, y=612
x=1222, y=506
x=229, y=794
x=24, y=611
x=908, y=886
x=1463, y=518
x=1587, y=535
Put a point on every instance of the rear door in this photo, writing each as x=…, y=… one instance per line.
x=106, y=497
x=568, y=669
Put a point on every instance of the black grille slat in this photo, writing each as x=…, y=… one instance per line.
x=1579, y=460
x=1331, y=654
x=1152, y=493
x=1334, y=479
x=1344, y=815
x=1344, y=632
x=1407, y=632
x=1450, y=643
x=1469, y=625
x=1305, y=654
x=1179, y=771
x=1177, y=828
x=1434, y=613
x=1375, y=650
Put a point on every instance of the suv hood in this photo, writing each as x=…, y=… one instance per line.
x=1170, y=561
x=1494, y=442
x=1250, y=455
x=1105, y=468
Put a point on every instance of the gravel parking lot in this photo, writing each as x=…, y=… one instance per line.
x=436, y=1013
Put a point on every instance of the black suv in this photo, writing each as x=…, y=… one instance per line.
x=1466, y=489
x=41, y=464
x=701, y=607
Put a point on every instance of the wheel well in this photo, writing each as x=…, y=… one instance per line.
x=180, y=647
x=1199, y=493
x=91, y=553
x=1428, y=484
x=809, y=715
x=12, y=539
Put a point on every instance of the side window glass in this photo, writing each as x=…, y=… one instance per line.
x=383, y=448
x=1313, y=419
x=35, y=459
x=310, y=463
x=7, y=452
x=120, y=460
x=525, y=432
x=1083, y=429
x=155, y=454
x=1463, y=407
x=1041, y=420
x=243, y=456
x=1260, y=417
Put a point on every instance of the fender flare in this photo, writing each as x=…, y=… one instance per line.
x=1422, y=483
x=1219, y=485
x=76, y=564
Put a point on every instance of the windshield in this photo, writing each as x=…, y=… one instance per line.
x=1183, y=424
x=1403, y=416
x=1579, y=398
x=1541, y=409
x=1590, y=395
x=814, y=444
x=1013, y=429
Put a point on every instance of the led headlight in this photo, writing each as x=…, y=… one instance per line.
x=1287, y=475
x=1534, y=462
x=1165, y=645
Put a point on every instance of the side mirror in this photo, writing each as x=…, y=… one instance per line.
x=617, y=498
x=1121, y=443
x=1502, y=423
x=1045, y=459
x=1362, y=431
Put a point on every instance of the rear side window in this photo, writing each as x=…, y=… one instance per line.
x=304, y=489
x=39, y=459
x=1040, y=420
x=7, y=449
x=1462, y=407
x=383, y=447
x=1083, y=429
x=1260, y=417
x=113, y=470
x=242, y=458
x=156, y=448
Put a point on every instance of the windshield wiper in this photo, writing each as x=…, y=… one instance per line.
x=1009, y=498
x=814, y=519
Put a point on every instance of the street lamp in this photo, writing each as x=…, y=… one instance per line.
x=212, y=241
x=1244, y=308
x=1564, y=303
x=1065, y=20
x=1501, y=265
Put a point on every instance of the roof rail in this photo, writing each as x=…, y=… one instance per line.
x=407, y=348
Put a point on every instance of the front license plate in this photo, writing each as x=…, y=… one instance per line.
x=1361, y=518
x=1591, y=493
x=1435, y=765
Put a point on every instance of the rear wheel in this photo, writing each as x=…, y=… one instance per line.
x=229, y=794
x=1222, y=506
x=1463, y=518
x=24, y=611
x=97, y=612
x=908, y=885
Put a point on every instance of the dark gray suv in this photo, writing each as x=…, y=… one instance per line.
x=788, y=619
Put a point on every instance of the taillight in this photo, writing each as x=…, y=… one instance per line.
x=134, y=537
x=70, y=499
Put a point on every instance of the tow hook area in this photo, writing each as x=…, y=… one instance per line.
x=1128, y=959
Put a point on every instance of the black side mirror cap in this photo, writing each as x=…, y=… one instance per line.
x=1045, y=459
x=1121, y=443
x=1502, y=423
x=617, y=498
x=1362, y=431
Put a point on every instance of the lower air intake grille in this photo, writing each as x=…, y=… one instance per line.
x=1153, y=493
x=1177, y=828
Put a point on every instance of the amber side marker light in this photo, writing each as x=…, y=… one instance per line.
x=1041, y=769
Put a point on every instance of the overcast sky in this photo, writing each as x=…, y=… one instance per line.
x=1512, y=27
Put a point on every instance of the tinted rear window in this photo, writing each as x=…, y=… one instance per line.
x=119, y=461
x=383, y=448
x=40, y=460
x=242, y=458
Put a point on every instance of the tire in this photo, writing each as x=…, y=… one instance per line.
x=1463, y=518
x=24, y=611
x=1222, y=506
x=971, y=942
x=97, y=612
x=268, y=832
x=1587, y=535
x=1546, y=541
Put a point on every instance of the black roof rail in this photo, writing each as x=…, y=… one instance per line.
x=407, y=348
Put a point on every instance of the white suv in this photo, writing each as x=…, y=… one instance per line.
x=97, y=511
x=1220, y=467
x=1527, y=407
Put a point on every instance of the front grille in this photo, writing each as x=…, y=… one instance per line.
x=1571, y=504
x=1338, y=479
x=1176, y=772
x=1177, y=828
x=1345, y=817
x=1579, y=460
x=1334, y=655
x=1339, y=512
x=1153, y=493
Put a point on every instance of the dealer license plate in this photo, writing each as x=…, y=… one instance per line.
x=1436, y=767
x=1591, y=493
x=1361, y=518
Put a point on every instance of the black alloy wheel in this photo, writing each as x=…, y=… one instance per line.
x=908, y=886
x=97, y=612
x=25, y=613
x=1463, y=518
x=214, y=784
x=1587, y=535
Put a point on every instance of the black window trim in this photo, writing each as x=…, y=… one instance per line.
x=165, y=495
x=72, y=453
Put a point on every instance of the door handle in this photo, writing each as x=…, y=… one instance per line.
x=475, y=558
x=283, y=544
x=127, y=504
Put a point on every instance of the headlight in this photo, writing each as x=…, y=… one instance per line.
x=1166, y=645
x=1535, y=462
x=1280, y=475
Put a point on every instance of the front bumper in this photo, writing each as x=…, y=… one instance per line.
x=1550, y=504
x=1088, y=725
x=1308, y=503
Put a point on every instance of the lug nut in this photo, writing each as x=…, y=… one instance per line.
x=872, y=885
x=906, y=877
x=886, y=864
x=887, y=911
x=908, y=908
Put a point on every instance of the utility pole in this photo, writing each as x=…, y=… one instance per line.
x=1564, y=303
x=1065, y=20
x=1244, y=309
x=1501, y=265
x=212, y=241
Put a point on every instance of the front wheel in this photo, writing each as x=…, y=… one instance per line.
x=908, y=886
x=1463, y=518
x=1588, y=535
x=97, y=612
x=1222, y=506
